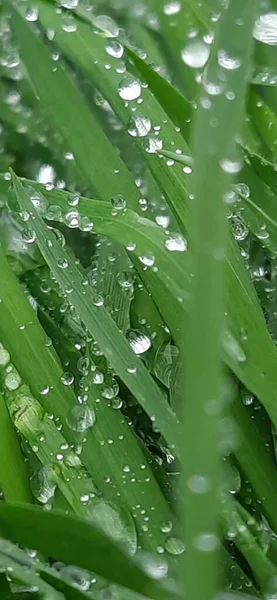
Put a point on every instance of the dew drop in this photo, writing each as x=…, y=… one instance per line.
x=115, y=49
x=139, y=126
x=129, y=88
x=172, y=8
x=265, y=29
x=108, y=26
x=196, y=54
x=174, y=545
x=80, y=418
x=175, y=242
x=138, y=341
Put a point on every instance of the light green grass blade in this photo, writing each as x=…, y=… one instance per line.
x=98, y=321
x=215, y=160
x=76, y=542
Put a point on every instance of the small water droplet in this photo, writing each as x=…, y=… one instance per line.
x=172, y=8
x=108, y=25
x=227, y=61
x=67, y=378
x=119, y=202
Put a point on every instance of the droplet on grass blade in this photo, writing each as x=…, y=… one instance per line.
x=80, y=418
x=265, y=29
x=138, y=341
x=196, y=54
x=129, y=88
x=139, y=126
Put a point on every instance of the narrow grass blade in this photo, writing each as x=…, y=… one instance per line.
x=215, y=159
x=13, y=474
x=76, y=542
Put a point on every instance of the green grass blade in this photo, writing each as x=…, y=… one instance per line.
x=97, y=320
x=13, y=474
x=76, y=542
x=80, y=131
x=214, y=151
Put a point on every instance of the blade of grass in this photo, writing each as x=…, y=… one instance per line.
x=13, y=474
x=101, y=326
x=211, y=180
x=76, y=542
x=28, y=346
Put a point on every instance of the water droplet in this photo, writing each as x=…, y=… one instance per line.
x=67, y=378
x=239, y=229
x=172, y=8
x=79, y=578
x=69, y=3
x=28, y=236
x=31, y=14
x=196, y=54
x=206, y=542
x=80, y=418
x=155, y=566
x=147, y=259
x=174, y=545
x=119, y=202
x=12, y=380
x=139, y=126
x=72, y=219
x=115, y=49
x=175, y=242
x=231, y=166
x=265, y=29
x=129, y=88
x=4, y=356
x=62, y=263
x=154, y=145
x=111, y=388
x=43, y=484
x=108, y=26
x=138, y=341
x=228, y=62
x=166, y=527
x=97, y=377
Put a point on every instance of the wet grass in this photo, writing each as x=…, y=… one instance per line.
x=138, y=300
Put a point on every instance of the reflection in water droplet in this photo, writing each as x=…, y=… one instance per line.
x=175, y=242
x=119, y=202
x=174, y=545
x=129, y=88
x=265, y=29
x=196, y=54
x=138, y=341
x=228, y=62
x=115, y=49
x=172, y=8
x=108, y=25
x=80, y=418
x=147, y=259
x=139, y=126
x=154, y=145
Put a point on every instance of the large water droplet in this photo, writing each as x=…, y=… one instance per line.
x=138, y=341
x=196, y=54
x=174, y=545
x=175, y=242
x=43, y=484
x=115, y=49
x=108, y=25
x=139, y=126
x=265, y=29
x=172, y=8
x=227, y=61
x=129, y=88
x=80, y=418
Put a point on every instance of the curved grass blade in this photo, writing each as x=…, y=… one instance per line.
x=76, y=542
